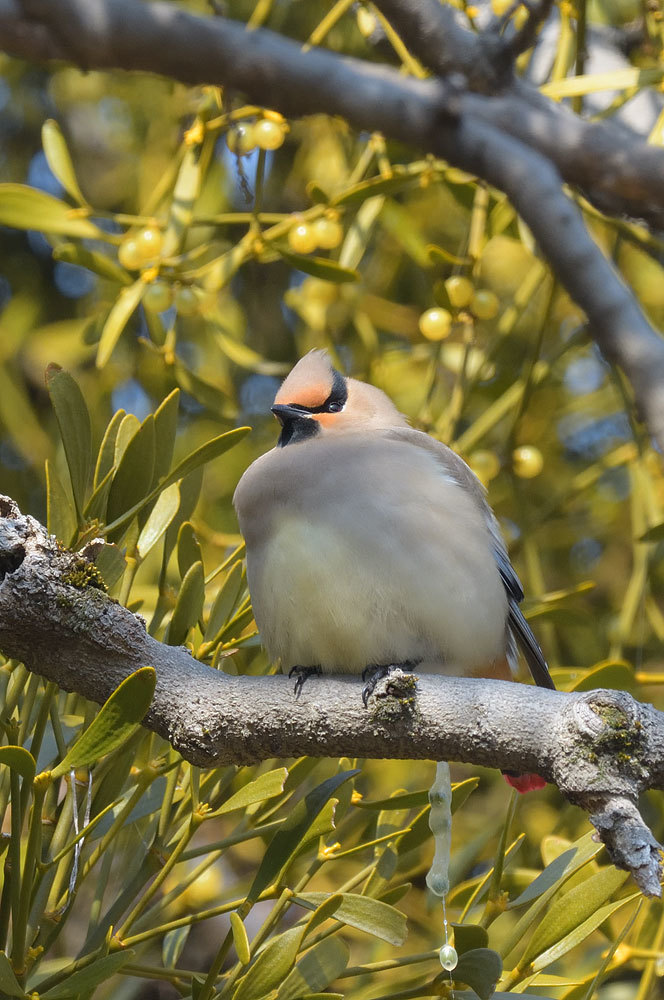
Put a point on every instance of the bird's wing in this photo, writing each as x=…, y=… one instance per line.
x=518, y=628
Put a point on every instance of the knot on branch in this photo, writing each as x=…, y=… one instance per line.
x=609, y=725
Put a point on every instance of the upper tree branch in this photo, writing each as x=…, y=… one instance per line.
x=626, y=173
x=601, y=748
x=518, y=141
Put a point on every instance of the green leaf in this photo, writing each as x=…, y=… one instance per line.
x=272, y=965
x=160, y=517
x=74, y=422
x=615, y=674
x=17, y=414
x=364, y=913
x=208, y=394
x=418, y=834
x=319, y=267
x=397, y=220
x=572, y=910
x=206, y=453
x=224, y=602
x=323, y=824
x=461, y=791
x=286, y=842
x=654, y=534
x=8, y=982
x=374, y=186
x=172, y=945
x=129, y=426
x=439, y=255
x=60, y=512
x=117, y=319
x=468, y=937
x=190, y=489
x=98, y=499
x=106, y=456
x=189, y=550
x=240, y=939
x=539, y=893
x=396, y=893
x=359, y=232
x=469, y=995
x=149, y=803
x=132, y=481
x=326, y=910
x=93, y=260
x=480, y=969
x=239, y=353
x=319, y=967
x=580, y=932
x=111, y=564
x=185, y=193
x=79, y=983
x=23, y=207
x=316, y=194
x=117, y=720
x=266, y=786
x=19, y=759
x=189, y=605
x=197, y=984
x=608, y=957
x=165, y=427
x=555, y=872
x=405, y=800
x=593, y=83
x=59, y=160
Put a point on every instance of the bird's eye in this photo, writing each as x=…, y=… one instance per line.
x=334, y=407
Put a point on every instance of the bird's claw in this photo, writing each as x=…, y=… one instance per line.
x=371, y=675
x=302, y=674
x=375, y=672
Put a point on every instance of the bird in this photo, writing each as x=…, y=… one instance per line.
x=371, y=545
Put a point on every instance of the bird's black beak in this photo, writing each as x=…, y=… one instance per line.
x=296, y=423
x=285, y=412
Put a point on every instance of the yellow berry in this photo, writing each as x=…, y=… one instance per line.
x=268, y=134
x=149, y=242
x=186, y=301
x=527, y=461
x=484, y=304
x=328, y=232
x=301, y=238
x=158, y=296
x=129, y=254
x=485, y=464
x=459, y=290
x=366, y=22
x=436, y=324
x=241, y=139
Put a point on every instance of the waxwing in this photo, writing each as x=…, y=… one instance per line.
x=372, y=545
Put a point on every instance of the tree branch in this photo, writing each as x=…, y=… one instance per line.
x=517, y=141
x=624, y=171
x=601, y=748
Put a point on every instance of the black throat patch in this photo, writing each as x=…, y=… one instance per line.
x=297, y=429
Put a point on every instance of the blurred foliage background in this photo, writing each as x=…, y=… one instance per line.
x=176, y=251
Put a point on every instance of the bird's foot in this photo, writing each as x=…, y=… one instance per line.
x=375, y=672
x=301, y=675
